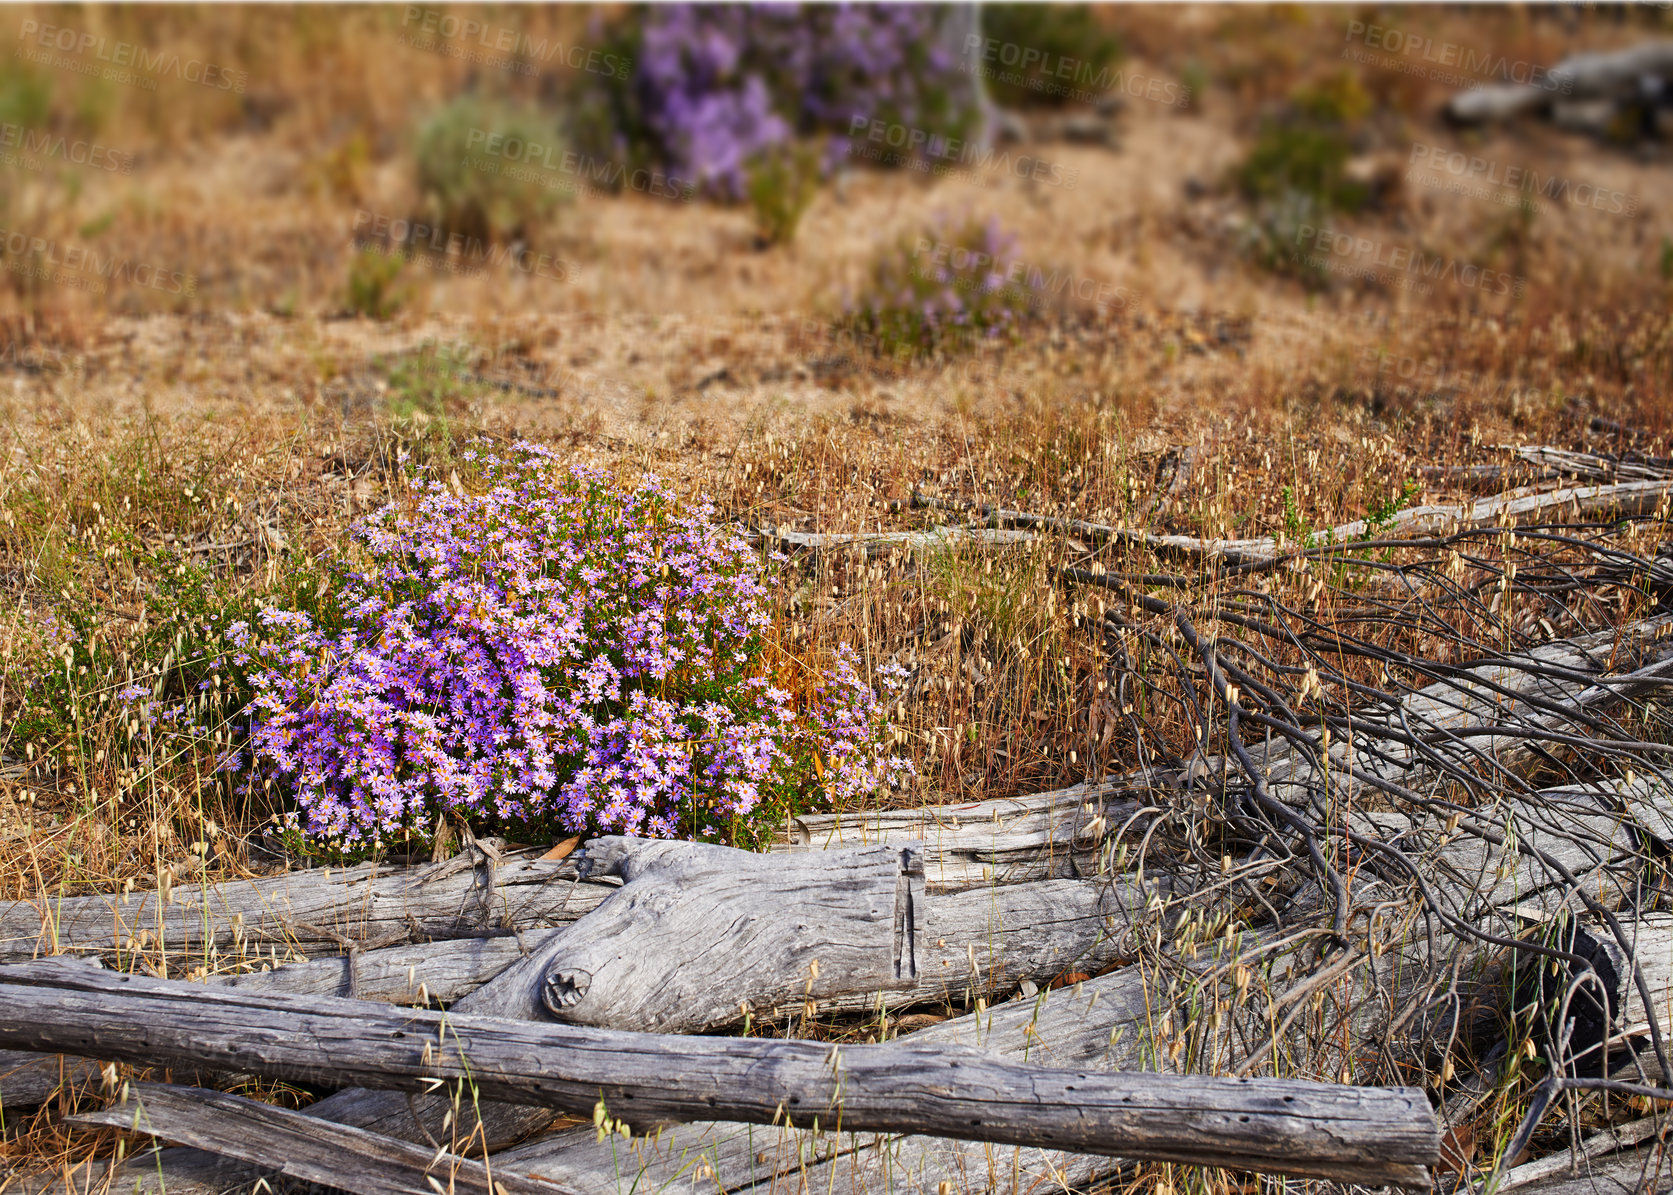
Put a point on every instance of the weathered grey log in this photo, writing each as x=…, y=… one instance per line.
x=1357, y=1134
x=696, y=931
x=698, y=935
x=1144, y=1017
x=1587, y=465
x=306, y=1148
x=305, y=912
x=977, y=942
x=1011, y=840
x=1578, y=1163
x=967, y=945
x=1631, y=499
x=872, y=543
x=1130, y=1018
x=438, y=972
x=1644, y=1171
x=739, y=1158
x=1459, y=715
x=27, y=1080
x=1611, y=75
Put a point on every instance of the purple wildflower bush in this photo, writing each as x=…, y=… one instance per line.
x=556, y=650
x=718, y=87
x=943, y=290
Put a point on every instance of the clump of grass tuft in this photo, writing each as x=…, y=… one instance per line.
x=373, y=288
x=781, y=185
x=472, y=194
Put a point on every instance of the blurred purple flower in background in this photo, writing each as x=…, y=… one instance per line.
x=716, y=86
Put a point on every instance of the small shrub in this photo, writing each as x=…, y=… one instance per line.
x=373, y=288
x=943, y=291
x=1310, y=161
x=781, y=185
x=1061, y=33
x=470, y=193
x=554, y=651
x=25, y=96
x=1296, y=172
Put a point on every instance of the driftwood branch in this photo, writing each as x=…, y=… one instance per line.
x=1359, y=1134
x=874, y=542
x=1631, y=499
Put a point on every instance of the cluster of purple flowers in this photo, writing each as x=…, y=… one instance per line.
x=716, y=86
x=554, y=648
x=943, y=290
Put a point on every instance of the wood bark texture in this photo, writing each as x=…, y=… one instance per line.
x=304, y=1147
x=1383, y=1135
x=305, y=912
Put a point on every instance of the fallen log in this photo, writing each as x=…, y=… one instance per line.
x=977, y=943
x=874, y=542
x=1556, y=1168
x=1589, y=466
x=1011, y=840
x=28, y=1080
x=1609, y=75
x=740, y=1159
x=1169, y=1012
x=697, y=932
x=304, y=1147
x=1373, y=1135
x=645, y=952
x=304, y=912
x=1482, y=717
x=1132, y=1018
x=1634, y=1172
x=1631, y=499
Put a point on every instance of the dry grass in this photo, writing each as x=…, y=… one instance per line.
x=170, y=461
